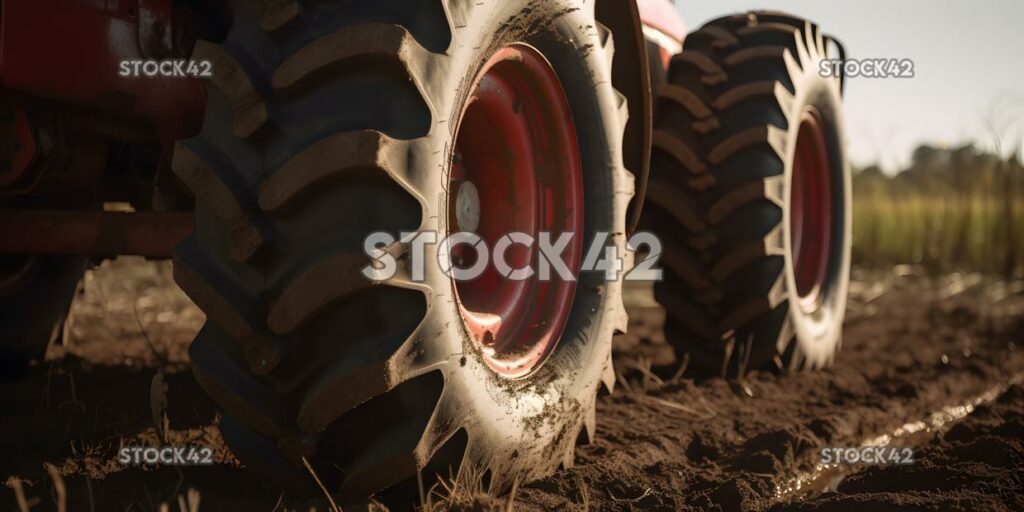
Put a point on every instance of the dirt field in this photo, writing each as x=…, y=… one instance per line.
x=932, y=364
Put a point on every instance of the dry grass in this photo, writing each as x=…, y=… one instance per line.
x=466, y=492
x=942, y=234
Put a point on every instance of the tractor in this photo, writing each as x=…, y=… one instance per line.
x=260, y=143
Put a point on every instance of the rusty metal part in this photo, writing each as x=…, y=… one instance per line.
x=631, y=77
x=39, y=122
x=18, y=145
x=64, y=175
x=93, y=233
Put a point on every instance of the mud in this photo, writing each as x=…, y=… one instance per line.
x=912, y=346
x=976, y=465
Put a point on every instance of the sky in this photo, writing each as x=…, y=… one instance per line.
x=969, y=70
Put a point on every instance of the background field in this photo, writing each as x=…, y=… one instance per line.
x=950, y=210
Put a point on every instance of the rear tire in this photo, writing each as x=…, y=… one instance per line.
x=329, y=121
x=725, y=197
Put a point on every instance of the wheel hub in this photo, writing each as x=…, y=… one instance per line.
x=467, y=207
x=516, y=169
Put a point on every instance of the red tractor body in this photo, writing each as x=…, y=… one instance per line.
x=80, y=64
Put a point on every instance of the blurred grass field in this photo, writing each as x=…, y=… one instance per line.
x=951, y=210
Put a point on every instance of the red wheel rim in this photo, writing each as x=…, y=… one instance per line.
x=516, y=144
x=810, y=217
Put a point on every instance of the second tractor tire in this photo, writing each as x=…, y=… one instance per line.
x=750, y=193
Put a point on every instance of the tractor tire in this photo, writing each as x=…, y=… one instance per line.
x=329, y=121
x=750, y=192
x=35, y=295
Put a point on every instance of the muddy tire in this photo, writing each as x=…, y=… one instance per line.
x=35, y=295
x=329, y=121
x=750, y=192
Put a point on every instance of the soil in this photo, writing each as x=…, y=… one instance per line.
x=929, y=363
x=976, y=465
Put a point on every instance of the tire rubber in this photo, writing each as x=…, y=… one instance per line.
x=725, y=131
x=327, y=121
